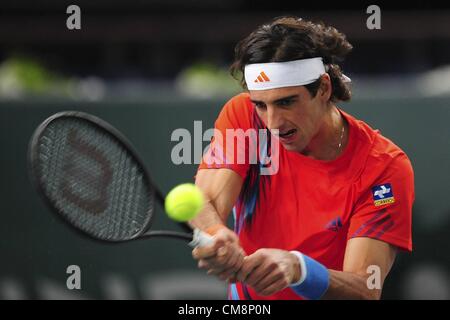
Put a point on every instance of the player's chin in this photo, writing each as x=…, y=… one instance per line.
x=290, y=147
x=296, y=146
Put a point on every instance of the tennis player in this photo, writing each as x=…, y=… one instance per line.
x=327, y=224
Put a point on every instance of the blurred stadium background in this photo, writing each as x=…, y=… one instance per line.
x=150, y=67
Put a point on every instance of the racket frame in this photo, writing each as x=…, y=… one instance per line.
x=154, y=192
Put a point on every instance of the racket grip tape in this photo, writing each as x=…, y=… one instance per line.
x=200, y=239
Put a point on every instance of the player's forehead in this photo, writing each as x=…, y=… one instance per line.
x=273, y=95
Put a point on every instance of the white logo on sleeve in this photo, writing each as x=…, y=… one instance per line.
x=383, y=194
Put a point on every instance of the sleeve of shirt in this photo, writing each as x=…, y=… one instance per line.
x=230, y=144
x=384, y=211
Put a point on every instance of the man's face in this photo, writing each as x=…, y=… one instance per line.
x=293, y=112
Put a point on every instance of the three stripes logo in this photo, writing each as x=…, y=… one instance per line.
x=262, y=77
x=335, y=224
x=376, y=226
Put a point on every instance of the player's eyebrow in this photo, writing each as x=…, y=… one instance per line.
x=278, y=100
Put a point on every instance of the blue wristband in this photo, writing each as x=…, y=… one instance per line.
x=314, y=280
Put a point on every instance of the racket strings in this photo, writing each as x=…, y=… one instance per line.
x=93, y=180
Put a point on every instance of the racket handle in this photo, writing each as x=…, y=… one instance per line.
x=200, y=239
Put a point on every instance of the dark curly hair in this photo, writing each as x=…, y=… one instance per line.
x=292, y=38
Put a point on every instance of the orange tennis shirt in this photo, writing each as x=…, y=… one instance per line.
x=310, y=205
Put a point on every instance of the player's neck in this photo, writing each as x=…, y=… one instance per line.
x=331, y=139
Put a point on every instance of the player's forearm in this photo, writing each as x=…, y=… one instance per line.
x=220, y=189
x=207, y=217
x=347, y=285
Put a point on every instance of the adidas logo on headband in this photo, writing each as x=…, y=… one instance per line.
x=285, y=74
x=262, y=77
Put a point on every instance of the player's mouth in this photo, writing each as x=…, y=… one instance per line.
x=287, y=136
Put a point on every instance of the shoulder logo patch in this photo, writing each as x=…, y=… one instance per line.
x=383, y=194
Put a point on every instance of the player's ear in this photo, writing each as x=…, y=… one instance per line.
x=325, y=88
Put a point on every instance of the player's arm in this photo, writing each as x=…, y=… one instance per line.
x=367, y=262
x=271, y=270
x=363, y=252
x=221, y=188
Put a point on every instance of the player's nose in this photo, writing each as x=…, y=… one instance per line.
x=274, y=118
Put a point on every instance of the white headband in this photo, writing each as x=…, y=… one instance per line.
x=263, y=76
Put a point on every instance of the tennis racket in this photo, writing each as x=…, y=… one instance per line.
x=90, y=176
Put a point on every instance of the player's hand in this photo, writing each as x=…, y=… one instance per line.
x=269, y=270
x=224, y=257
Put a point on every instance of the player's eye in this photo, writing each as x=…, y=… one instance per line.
x=259, y=105
x=285, y=102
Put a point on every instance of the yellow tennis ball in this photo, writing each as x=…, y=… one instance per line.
x=184, y=202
